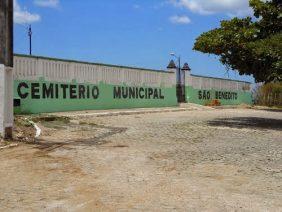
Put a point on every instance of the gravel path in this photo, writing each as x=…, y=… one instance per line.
x=206, y=160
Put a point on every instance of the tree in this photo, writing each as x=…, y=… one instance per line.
x=252, y=46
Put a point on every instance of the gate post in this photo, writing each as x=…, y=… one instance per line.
x=6, y=102
x=6, y=64
x=172, y=68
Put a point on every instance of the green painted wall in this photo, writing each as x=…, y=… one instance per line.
x=106, y=100
x=166, y=97
x=197, y=96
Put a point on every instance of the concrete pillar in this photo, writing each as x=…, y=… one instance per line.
x=39, y=67
x=186, y=73
x=6, y=32
x=172, y=68
x=6, y=101
x=6, y=64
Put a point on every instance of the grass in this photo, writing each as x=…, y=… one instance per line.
x=56, y=122
x=52, y=118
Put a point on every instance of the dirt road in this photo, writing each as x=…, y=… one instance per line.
x=209, y=160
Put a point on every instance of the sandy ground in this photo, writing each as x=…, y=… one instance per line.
x=207, y=160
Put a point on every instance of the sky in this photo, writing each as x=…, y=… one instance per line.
x=139, y=33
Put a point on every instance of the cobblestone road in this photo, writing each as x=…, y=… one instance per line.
x=207, y=160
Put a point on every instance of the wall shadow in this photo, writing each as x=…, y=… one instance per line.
x=248, y=122
x=273, y=110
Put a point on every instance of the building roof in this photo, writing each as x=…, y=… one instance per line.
x=171, y=65
x=186, y=67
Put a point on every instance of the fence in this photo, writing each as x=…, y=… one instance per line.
x=49, y=85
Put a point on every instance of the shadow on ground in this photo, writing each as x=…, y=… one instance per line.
x=248, y=122
x=49, y=146
x=274, y=110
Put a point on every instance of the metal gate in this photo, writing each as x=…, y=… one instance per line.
x=180, y=92
x=180, y=86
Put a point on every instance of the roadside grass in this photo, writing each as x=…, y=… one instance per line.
x=51, y=121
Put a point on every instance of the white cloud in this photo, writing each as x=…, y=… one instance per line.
x=47, y=3
x=22, y=16
x=180, y=19
x=207, y=7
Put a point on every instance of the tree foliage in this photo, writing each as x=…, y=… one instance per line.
x=252, y=46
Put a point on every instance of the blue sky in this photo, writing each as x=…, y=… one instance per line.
x=138, y=33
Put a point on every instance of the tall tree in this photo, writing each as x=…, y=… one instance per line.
x=252, y=46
